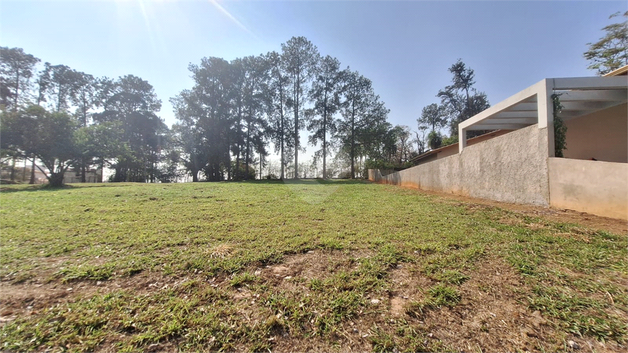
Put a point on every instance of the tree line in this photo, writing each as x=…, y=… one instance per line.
x=234, y=116
x=227, y=123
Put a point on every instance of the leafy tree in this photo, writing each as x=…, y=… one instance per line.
x=353, y=109
x=461, y=100
x=16, y=70
x=432, y=116
x=277, y=99
x=84, y=98
x=611, y=51
x=363, y=114
x=62, y=86
x=168, y=171
x=404, y=148
x=51, y=140
x=132, y=103
x=254, y=90
x=11, y=137
x=419, y=138
x=214, y=89
x=188, y=134
x=44, y=80
x=325, y=94
x=434, y=140
x=102, y=143
x=300, y=57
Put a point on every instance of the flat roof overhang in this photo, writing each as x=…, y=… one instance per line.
x=579, y=96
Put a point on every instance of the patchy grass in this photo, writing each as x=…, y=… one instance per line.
x=306, y=265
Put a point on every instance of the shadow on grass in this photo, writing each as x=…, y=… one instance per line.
x=309, y=181
x=7, y=188
x=4, y=188
x=36, y=187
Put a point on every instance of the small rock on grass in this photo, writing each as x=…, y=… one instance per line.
x=573, y=345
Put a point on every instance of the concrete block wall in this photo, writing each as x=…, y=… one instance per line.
x=509, y=168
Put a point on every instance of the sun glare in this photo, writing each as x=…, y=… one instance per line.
x=230, y=16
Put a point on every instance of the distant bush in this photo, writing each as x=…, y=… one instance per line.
x=344, y=175
x=384, y=165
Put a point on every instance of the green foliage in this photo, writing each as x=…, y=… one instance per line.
x=232, y=112
x=385, y=165
x=363, y=130
x=450, y=140
x=432, y=117
x=434, y=140
x=48, y=136
x=300, y=58
x=461, y=100
x=560, y=129
x=611, y=51
x=241, y=173
x=16, y=70
x=325, y=93
x=131, y=104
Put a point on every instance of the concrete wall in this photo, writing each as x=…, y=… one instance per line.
x=595, y=187
x=509, y=168
x=452, y=149
x=602, y=135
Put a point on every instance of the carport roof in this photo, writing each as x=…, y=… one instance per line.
x=578, y=95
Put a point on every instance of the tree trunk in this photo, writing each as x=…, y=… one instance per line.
x=353, y=142
x=32, y=181
x=102, y=170
x=325, y=138
x=56, y=179
x=282, y=142
x=83, y=171
x=194, y=175
x=248, y=148
x=13, y=169
x=296, y=131
x=17, y=88
x=238, y=174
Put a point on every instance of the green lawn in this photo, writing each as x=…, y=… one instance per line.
x=298, y=266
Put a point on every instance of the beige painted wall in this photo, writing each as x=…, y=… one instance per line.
x=509, y=168
x=595, y=187
x=602, y=135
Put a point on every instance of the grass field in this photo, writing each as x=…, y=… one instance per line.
x=299, y=266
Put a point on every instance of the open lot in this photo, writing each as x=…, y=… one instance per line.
x=303, y=266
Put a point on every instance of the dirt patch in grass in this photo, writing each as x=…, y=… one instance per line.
x=492, y=316
x=25, y=299
x=312, y=265
x=408, y=285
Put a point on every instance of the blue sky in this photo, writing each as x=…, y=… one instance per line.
x=404, y=47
